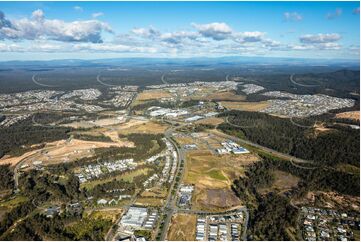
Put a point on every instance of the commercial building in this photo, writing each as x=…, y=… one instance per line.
x=135, y=217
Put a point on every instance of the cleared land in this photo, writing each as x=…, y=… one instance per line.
x=182, y=228
x=213, y=176
x=145, y=127
x=215, y=199
x=127, y=176
x=95, y=123
x=149, y=201
x=16, y=159
x=283, y=182
x=106, y=213
x=348, y=168
x=153, y=94
x=210, y=121
x=353, y=115
x=226, y=96
x=246, y=106
x=63, y=151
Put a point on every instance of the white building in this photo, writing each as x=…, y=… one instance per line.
x=135, y=217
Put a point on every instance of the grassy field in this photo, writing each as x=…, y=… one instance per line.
x=13, y=202
x=182, y=228
x=149, y=201
x=283, y=182
x=215, y=171
x=210, y=121
x=107, y=213
x=213, y=176
x=89, y=228
x=246, y=106
x=152, y=95
x=128, y=176
x=348, y=168
x=145, y=128
x=224, y=96
x=155, y=192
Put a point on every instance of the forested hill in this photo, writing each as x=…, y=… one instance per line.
x=338, y=145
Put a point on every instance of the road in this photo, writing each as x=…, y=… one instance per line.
x=40, y=84
x=105, y=84
x=170, y=205
x=298, y=84
x=163, y=80
x=17, y=168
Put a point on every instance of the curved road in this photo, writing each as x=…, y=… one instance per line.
x=298, y=84
x=40, y=84
x=164, y=81
x=105, y=84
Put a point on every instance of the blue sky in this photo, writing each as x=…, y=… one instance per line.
x=53, y=30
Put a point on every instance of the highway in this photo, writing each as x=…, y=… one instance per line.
x=298, y=84
x=170, y=205
x=163, y=80
x=40, y=84
x=105, y=84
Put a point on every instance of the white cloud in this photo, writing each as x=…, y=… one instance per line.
x=78, y=8
x=178, y=37
x=249, y=36
x=216, y=31
x=329, y=46
x=146, y=32
x=318, y=46
x=292, y=16
x=320, y=38
x=38, y=27
x=98, y=14
x=333, y=15
x=111, y=47
x=4, y=23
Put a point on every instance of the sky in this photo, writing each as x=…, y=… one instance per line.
x=91, y=30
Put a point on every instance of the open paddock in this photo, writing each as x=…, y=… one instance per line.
x=353, y=115
x=246, y=106
x=182, y=227
x=153, y=95
x=96, y=123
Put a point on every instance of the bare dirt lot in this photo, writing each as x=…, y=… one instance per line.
x=63, y=151
x=215, y=199
x=16, y=159
x=353, y=115
x=246, y=106
x=139, y=126
x=153, y=94
x=182, y=228
x=211, y=121
x=224, y=96
x=213, y=176
x=95, y=123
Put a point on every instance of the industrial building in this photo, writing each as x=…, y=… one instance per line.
x=135, y=217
